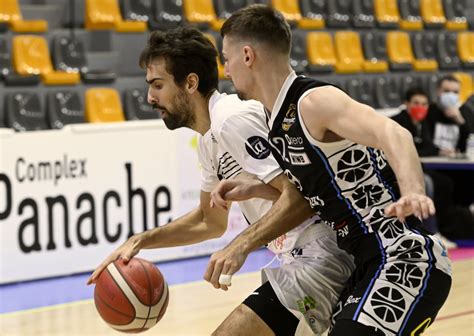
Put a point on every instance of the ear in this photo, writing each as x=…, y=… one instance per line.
x=249, y=55
x=192, y=83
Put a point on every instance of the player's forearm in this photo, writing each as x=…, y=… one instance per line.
x=189, y=229
x=289, y=211
x=261, y=190
x=403, y=158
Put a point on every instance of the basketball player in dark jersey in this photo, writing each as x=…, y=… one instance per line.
x=355, y=168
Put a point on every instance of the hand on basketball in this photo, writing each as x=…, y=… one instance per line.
x=418, y=205
x=224, y=262
x=126, y=251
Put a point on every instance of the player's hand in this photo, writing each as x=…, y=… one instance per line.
x=126, y=251
x=418, y=205
x=227, y=261
x=231, y=190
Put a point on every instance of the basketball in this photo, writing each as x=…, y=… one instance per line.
x=131, y=297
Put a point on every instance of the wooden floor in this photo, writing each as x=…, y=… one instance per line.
x=197, y=308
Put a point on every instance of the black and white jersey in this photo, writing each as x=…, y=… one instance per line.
x=347, y=184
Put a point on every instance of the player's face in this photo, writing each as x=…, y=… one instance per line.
x=235, y=67
x=168, y=99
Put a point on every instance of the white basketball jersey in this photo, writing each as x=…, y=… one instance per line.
x=236, y=144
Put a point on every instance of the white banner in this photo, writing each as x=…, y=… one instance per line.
x=69, y=197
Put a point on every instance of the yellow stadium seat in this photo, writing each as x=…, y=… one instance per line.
x=400, y=52
x=465, y=42
x=103, y=105
x=350, y=57
x=321, y=52
x=31, y=57
x=202, y=11
x=291, y=12
x=105, y=14
x=220, y=66
x=432, y=12
x=386, y=12
x=10, y=12
x=467, y=85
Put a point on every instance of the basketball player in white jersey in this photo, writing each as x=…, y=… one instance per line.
x=358, y=170
x=182, y=77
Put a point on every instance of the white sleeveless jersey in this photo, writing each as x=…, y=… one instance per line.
x=236, y=145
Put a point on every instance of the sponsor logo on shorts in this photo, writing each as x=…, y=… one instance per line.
x=257, y=147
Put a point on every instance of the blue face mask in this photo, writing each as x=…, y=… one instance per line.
x=449, y=99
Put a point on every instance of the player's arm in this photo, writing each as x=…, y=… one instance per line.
x=200, y=224
x=328, y=108
x=287, y=212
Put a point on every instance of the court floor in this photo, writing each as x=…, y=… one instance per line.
x=195, y=307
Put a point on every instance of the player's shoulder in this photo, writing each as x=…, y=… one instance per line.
x=230, y=110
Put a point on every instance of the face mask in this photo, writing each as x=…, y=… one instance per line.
x=418, y=112
x=449, y=99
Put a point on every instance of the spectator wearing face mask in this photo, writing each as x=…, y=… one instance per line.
x=446, y=123
x=452, y=220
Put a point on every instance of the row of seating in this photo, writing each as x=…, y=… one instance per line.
x=343, y=52
x=28, y=110
x=24, y=110
x=138, y=16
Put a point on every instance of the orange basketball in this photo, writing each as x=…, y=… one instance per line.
x=131, y=297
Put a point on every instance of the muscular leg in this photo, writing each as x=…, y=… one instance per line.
x=243, y=321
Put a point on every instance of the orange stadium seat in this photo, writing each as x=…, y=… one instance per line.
x=401, y=56
x=202, y=11
x=31, y=57
x=291, y=12
x=350, y=57
x=103, y=105
x=467, y=85
x=105, y=14
x=432, y=13
x=465, y=42
x=321, y=52
x=10, y=12
x=386, y=13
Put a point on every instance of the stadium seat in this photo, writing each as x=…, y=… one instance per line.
x=23, y=112
x=431, y=85
x=448, y=57
x=410, y=15
x=220, y=66
x=349, y=55
x=339, y=13
x=141, y=10
x=10, y=13
x=64, y=108
x=424, y=47
x=363, y=14
x=8, y=74
x=298, y=54
x=225, y=8
x=31, y=57
x=432, y=13
x=321, y=52
x=401, y=56
x=168, y=13
x=361, y=89
x=103, y=105
x=387, y=92
x=105, y=15
x=374, y=46
x=386, y=13
x=3, y=27
x=455, y=12
x=467, y=88
x=201, y=12
x=409, y=81
x=465, y=43
x=69, y=55
x=313, y=14
x=291, y=12
x=137, y=107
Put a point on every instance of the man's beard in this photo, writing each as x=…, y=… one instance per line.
x=180, y=114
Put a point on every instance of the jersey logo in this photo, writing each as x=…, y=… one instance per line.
x=290, y=117
x=257, y=147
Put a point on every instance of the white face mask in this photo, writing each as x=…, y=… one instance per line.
x=449, y=99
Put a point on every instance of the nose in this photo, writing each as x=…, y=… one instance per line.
x=151, y=100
